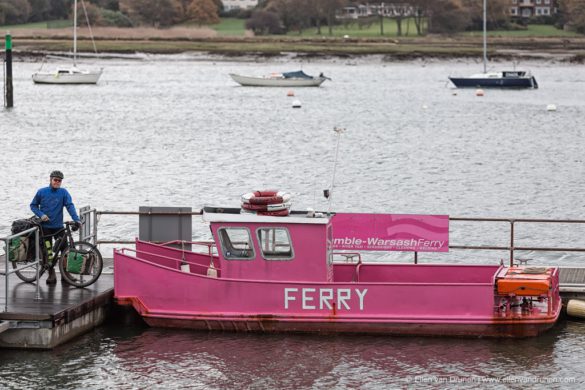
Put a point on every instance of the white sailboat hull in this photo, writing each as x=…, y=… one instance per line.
x=248, y=81
x=72, y=77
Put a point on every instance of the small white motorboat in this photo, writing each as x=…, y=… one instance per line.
x=287, y=79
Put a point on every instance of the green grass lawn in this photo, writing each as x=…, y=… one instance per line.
x=354, y=30
x=532, y=30
x=230, y=27
x=235, y=27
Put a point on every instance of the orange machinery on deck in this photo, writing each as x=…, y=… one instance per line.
x=526, y=281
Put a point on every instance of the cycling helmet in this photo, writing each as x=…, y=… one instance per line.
x=58, y=174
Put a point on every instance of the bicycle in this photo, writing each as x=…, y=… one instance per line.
x=80, y=263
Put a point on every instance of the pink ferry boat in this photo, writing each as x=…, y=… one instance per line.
x=281, y=274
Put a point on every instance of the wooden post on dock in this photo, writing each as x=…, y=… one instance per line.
x=8, y=98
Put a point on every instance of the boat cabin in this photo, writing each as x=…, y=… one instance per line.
x=255, y=247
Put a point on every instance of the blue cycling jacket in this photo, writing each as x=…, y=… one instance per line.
x=50, y=201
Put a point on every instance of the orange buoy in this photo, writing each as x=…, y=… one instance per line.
x=479, y=92
x=290, y=93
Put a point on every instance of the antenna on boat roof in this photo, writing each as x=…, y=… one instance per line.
x=328, y=193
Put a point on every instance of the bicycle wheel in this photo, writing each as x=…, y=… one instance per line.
x=28, y=275
x=81, y=265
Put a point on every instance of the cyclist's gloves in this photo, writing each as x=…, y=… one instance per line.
x=77, y=226
x=44, y=218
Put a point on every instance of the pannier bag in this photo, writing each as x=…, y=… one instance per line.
x=20, y=225
x=79, y=262
x=18, y=249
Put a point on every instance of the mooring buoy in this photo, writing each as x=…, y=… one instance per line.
x=551, y=107
x=576, y=308
x=479, y=92
x=296, y=104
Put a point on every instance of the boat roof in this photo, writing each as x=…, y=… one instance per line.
x=509, y=73
x=233, y=214
x=299, y=74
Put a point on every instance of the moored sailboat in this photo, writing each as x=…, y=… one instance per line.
x=286, y=79
x=72, y=74
x=504, y=79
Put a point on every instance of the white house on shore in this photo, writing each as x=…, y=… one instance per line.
x=238, y=4
x=530, y=8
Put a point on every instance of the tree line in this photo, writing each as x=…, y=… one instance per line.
x=429, y=16
x=283, y=16
x=119, y=13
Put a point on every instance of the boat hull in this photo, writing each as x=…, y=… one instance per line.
x=55, y=78
x=273, y=324
x=392, y=299
x=247, y=81
x=466, y=82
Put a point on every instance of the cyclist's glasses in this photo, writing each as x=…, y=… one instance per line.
x=57, y=180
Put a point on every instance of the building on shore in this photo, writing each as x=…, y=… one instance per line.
x=356, y=11
x=532, y=8
x=229, y=5
x=524, y=9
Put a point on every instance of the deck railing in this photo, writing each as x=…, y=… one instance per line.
x=8, y=271
x=510, y=246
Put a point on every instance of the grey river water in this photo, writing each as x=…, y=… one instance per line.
x=177, y=131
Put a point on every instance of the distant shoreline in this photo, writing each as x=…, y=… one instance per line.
x=570, y=50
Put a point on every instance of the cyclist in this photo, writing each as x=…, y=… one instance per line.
x=48, y=205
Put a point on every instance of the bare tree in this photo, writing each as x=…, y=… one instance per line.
x=14, y=11
x=203, y=12
x=264, y=22
x=400, y=11
x=497, y=13
x=448, y=16
x=421, y=10
x=329, y=7
x=294, y=14
x=574, y=14
x=157, y=13
x=39, y=10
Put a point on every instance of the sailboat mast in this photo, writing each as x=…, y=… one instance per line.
x=75, y=33
x=484, y=36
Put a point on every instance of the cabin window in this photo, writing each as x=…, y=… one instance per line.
x=236, y=243
x=275, y=243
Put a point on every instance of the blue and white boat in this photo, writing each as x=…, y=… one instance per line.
x=504, y=79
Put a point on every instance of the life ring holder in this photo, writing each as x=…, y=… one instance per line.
x=266, y=198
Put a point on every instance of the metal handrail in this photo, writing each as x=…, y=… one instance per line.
x=179, y=261
x=36, y=263
x=88, y=217
x=511, y=221
x=198, y=212
x=512, y=247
